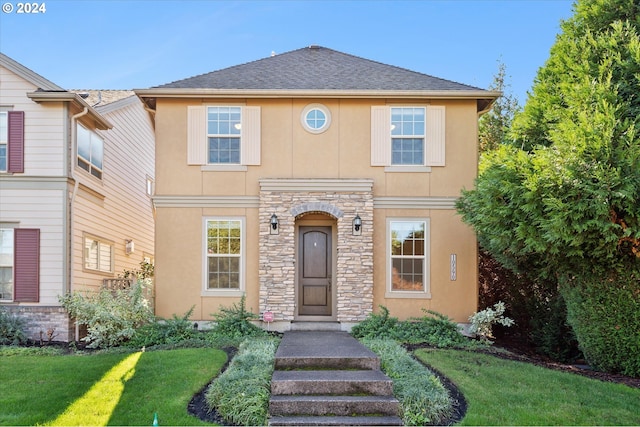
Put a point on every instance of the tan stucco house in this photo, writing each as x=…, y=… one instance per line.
x=318, y=184
x=76, y=179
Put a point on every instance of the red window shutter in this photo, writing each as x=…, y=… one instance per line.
x=15, y=140
x=26, y=264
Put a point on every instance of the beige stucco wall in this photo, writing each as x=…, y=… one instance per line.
x=288, y=151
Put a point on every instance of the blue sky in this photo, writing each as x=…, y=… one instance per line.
x=124, y=44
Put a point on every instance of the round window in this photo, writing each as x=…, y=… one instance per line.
x=316, y=118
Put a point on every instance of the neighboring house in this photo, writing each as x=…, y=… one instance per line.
x=76, y=180
x=318, y=184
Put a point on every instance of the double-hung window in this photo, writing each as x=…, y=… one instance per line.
x=6, y=264
x=408, y=257
x=408, y=138
x=223, y=137
x=224, y=125
x=4, y=137
x=407, y=135
x=90, y=151
x=224, y=257
x=98, y=255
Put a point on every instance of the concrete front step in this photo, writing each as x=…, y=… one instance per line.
x=335, y=421
x=316, y=326
x=333, y=405
x=331, y=382
x=323, y=350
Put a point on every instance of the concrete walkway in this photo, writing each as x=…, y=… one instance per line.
x=329, y=378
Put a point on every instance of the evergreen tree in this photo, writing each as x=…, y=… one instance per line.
x=564, y=202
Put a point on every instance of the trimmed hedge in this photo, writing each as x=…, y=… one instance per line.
x=605, y=315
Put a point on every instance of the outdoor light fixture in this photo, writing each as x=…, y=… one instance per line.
x=274, y=224
x=357, y=225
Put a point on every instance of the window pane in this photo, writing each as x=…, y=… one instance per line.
x=407, y=255
x=3, y=157
x=97, y=151
x=84, y=143
x=4, y=127
x=6, y=247
x=91, y=254
x=105, y=257
x=223, y=250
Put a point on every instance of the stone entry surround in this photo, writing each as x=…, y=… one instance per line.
x=338, y=199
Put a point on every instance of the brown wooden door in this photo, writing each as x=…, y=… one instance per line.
x=314, y=271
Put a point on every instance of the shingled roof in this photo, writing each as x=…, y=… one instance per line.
x=317, y=68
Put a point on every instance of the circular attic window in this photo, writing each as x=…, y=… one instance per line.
x=316, y=118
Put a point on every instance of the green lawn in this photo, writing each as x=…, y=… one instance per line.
x=105, y=389
x=504, y=392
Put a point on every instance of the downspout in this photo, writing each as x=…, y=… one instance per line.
x=74, y=151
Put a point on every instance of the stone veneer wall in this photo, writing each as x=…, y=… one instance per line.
x=354, y=262
x=40, y=320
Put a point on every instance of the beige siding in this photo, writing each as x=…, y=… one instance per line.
x=42, y=209
x=117, y=207
x=44, y=126
x=344, y=151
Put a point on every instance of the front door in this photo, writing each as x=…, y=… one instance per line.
x=314, y=271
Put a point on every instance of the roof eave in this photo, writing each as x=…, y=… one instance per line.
x=64, y=96
x=318, y=93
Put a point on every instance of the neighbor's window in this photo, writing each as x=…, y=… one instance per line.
x=223, y=133
x=224, y=254
x=98, y=255
x=90, y=151
x=407, y=135
x=408, y=255
x=4, y=132
x=6, y=264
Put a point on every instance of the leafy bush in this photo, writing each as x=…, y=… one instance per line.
x=605, y=314
x=483, y=321
x=241, y=393
x=111, y=316
x=178, y=329
x=423, y=398
x=12, y=328
x=234, y=322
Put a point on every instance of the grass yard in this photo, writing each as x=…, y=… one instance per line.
x=105, y=389
x=505, y=392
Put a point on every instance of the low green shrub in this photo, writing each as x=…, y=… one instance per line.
x=605, y=315
x=433, y=329
x=14, y=350
x=234, y=323
x=111, y=316
x=162, y=332
x=241, y=393
x=423, y=399
x=376, y=325
x=12, y=328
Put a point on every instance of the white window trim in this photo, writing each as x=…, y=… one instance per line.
x=93, y=134
x=5, y=118
x=215, y=135
x=327, y=115
x=109, y=243
x=206, y=292
x=423, y=136
x=426, y=294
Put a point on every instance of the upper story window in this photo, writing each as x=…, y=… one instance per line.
x=316, y=118
x=90, y=151
x=408, y=138
x=4, y=136
x=407, y=135
x=224, y=125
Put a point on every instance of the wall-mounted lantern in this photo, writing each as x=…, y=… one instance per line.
x=129, y=246
x=357, y=225
x=274, y=225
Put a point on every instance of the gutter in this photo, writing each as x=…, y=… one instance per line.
x=76, y=183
